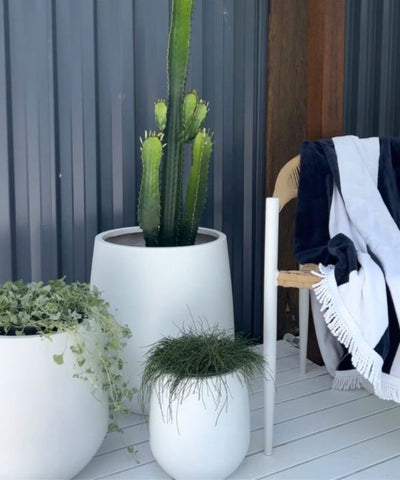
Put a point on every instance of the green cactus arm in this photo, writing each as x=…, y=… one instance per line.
x=171, y=170
x=160, y=114
x=189, y=106
x=196, y=120
x=149, y=207
x=200, y=113
x=196, y=193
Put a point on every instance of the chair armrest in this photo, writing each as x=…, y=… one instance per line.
x=303, y=278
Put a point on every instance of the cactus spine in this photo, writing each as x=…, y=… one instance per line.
x=163, y=218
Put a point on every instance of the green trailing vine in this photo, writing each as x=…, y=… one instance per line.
x=96, y=339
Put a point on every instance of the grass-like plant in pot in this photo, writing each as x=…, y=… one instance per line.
x=61, y=379
x=199, y=407
x=168, y=253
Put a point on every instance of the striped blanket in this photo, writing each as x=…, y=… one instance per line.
x=348, y=219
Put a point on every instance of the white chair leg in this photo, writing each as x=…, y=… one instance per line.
x=304, y=309
x=270, y=317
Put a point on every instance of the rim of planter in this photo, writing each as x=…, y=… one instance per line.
x=102, y=237
x=222, y=376
x=40, y=336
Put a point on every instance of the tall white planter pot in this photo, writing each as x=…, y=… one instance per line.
x=51, y=424
x=204, y=434
x=158, y=290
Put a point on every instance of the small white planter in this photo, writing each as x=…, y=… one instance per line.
x=157, y=290
x=206, y=434
x=51, y=424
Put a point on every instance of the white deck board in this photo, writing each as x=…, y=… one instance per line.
x=342, y=461
x=319, y=434
x=379, y=471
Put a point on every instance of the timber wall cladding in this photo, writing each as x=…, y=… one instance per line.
x=286, y=125
x=310, y=41
x=305, y=101
x=77, y=84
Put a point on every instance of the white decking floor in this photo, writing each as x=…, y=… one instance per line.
x=319, y=434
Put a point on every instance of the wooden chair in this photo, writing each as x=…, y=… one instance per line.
x=286, y=189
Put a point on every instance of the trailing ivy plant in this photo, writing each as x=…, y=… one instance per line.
x=76, y=309
x=179, y=365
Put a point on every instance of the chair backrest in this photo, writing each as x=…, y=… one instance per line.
x=287, y=182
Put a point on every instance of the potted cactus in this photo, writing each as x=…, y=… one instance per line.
x=168, y=268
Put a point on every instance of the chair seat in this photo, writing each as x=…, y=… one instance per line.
x=303, y=278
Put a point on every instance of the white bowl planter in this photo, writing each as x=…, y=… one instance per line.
x=51, y=423
x=204, y=434
x=157, y=290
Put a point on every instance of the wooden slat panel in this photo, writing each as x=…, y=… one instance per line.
x=325, y=72
x=325, y=87
x=305, y=101
x=286, y=121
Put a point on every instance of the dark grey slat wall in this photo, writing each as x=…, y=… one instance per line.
x=29, y=42
x=6, y=208
x=372, y=70
x=77, y=84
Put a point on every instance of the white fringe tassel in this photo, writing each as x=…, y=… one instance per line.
x=390, y=392
x=347, y=381
x=365, y=360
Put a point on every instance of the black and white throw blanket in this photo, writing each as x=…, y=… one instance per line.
x=348, y=219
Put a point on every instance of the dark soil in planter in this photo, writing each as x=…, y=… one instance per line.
x=137, y=240
x=13, y=331
x=27, y=331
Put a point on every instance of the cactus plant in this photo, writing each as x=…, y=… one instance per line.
x=164, y=218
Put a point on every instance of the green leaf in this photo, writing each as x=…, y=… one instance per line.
x=131, y=450
x=59, y=359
